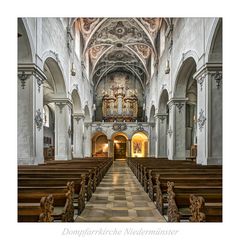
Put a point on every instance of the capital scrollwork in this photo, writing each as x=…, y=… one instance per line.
x=162, y=118
x=179, y=106
x=201, y=120
x=119, y=126
x=218, y=79
x=39, y=81
x=23, y=77
x=170, y=132
x=38, y=119
x=61, y=106
x=99, y=127
x=201, y=80
x=69, y=131
x=30, y=69
x=140, y=127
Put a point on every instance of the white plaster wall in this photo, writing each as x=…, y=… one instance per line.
x=53, y=37
x=48, y=35
x=190, y=37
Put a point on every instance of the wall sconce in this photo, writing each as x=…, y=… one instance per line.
x=73, y=70
x=167, y=69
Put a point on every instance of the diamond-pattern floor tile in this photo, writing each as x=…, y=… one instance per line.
x=120, y=198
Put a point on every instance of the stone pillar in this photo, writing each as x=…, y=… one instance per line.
x=190, y=127
x=110, y=152
x=177, y=129
x=129, y=147
x=163, y=135
x=152, y=140
x=78, y=127
x=209, y=114
x=157, y=135
x=30, y=114
x=87, y=140
x=62, y=129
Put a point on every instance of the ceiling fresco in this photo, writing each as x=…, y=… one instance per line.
x=114, y=43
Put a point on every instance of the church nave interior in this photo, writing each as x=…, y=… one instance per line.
x=119, y=119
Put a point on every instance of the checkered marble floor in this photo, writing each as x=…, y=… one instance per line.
x=120, y=198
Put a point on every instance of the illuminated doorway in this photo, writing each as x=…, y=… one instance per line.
x=120, y=147
x=139, y=145
x=100, y=145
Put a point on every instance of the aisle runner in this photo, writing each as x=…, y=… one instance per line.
x=120, y=198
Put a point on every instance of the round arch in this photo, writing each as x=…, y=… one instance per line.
x=163, y=100
x=139, y=144
x=185, y=90
x=142, y=131
x=54, y=88
x=87, y=113
x=152, y=114
x=76, y=102
x=120, y=146
x=26, y=47
x=186, y=71
x=119, y=133
x=215, y=33
x=99, y=144
x=55, y=77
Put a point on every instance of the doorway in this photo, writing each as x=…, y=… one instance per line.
x=120, y=147
x=139, y=145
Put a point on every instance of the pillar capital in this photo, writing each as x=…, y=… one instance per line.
x=78, y=116
x=212, y=70
x=87, y=124
x=161, y=116
x=157, y=115
x=178, y=102
x=62, y=102
x=26, y=70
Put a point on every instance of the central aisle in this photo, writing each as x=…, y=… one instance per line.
x=120, y=198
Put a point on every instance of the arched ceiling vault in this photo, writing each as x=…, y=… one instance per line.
x=113, y=43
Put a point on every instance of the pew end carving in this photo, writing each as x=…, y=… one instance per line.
x=47, y=208
x=173, y=213
x=197, y=204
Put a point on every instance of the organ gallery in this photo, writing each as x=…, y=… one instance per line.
x=120, y=104
x=119, y=119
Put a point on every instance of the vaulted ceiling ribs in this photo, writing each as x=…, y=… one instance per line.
x=126, y=43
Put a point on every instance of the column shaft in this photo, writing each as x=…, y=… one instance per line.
x=209, y=114
x=62, y=131
x=87, y=140
x=177, y=129
x=163, y=136
x=78, y=126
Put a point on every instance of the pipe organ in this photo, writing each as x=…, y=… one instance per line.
x=119, y=104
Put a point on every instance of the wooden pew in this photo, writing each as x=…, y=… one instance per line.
x=79, y=186
x=90, y=180
x=52, y=176
x=36, y=212
x=178, y=203
x=63, y=200
x=150, y=185
x=149, y=172
x=189, y=178
x=182, y=180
